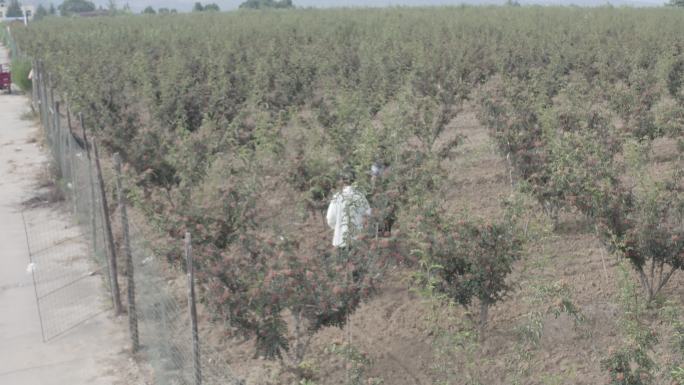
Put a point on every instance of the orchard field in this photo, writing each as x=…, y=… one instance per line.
x=529, y=226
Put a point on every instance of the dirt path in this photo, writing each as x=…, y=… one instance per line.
x=94, y=352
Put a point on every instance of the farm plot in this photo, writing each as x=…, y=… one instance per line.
x=523, y=166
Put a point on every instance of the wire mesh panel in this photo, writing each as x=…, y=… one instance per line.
x=68, y=259
x=85, y=199
x=164, y=322
x=164, y=338
x=70, y=263
x=68, y=286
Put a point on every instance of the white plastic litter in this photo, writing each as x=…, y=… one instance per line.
x=347, y=207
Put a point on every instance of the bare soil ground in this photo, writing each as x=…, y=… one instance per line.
x=410, y=340
x=403, y=334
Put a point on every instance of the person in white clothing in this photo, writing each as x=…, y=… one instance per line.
x=348, y=206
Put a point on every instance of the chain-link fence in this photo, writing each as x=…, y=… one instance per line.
x=165, y=327
x=67, y=283
x=160, y=320
x=67, y=287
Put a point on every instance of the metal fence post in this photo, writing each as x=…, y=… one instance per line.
x=93, y=200
x=46, y=105
x=132, y=315
x=108, y=234
x=34, y=84
x=33, y=276
x=193, y=311
x=43, y=102
x=50, y=105
x=71, y=152
x=57, y=144
x=46, y=99
x=43, y=98
x=51, y=89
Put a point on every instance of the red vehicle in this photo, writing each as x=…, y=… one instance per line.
x=5, y=79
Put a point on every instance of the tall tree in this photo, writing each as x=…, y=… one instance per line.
x=69, y=7
x=112, y=7
x=212, y=7
x=14, y=9
x=149, y=10
x=198, y=7
x=262, y=4
x=52, y=10
x=41, y=13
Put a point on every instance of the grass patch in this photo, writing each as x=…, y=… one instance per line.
x=20, y=72
x=4, y=38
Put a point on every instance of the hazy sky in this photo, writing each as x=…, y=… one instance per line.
x=232, y=4
x=185, y=5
